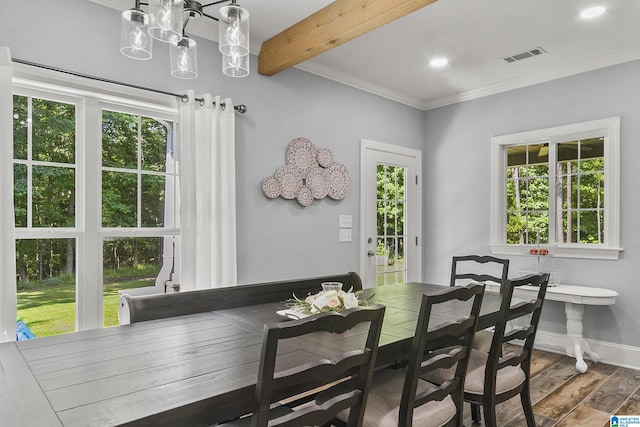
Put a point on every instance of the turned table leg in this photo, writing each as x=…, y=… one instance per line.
x=576, y=345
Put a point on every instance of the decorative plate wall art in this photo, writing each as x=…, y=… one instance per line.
x=290, y=179
x=309, y=174
x=271, y=187
x=301, y=153
x=325, y=157
x=317, y=182
x=304, y=196
x=339, y=181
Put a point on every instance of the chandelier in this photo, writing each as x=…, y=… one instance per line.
x=167, y=21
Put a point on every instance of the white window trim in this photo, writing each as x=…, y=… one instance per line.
x=610, y=249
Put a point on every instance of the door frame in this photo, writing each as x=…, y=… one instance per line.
x=413, y=209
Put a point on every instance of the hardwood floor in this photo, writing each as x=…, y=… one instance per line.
x=562, y=397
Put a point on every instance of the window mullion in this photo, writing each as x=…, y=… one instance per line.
x=89, y=245
x=29, y=162
x=139, y=173
x=553, y=191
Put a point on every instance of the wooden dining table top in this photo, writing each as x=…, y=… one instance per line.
x=198, y=369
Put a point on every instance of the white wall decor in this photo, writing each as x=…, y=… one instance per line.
x=309, y=173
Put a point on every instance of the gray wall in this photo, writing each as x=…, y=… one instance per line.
x=456, y=207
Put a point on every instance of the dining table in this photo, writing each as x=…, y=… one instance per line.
x=197, y=369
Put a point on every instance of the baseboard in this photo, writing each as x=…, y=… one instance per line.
x=610, y=353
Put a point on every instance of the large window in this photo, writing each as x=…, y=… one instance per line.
x=95, y=204
x=558, y=187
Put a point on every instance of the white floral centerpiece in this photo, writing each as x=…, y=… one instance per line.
x=331, y=298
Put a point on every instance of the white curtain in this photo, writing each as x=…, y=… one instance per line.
x=207, y=193
x=8, y=301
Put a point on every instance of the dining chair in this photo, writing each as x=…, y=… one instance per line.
x=494, y=377
x=293, y=372
x=483, y=269
x=398, y=397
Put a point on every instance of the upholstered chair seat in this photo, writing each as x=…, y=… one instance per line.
x=507, y=378
x=384, y=401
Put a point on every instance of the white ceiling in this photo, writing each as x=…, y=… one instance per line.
x=475, y=35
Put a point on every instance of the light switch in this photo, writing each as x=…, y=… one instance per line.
x=345, y=221
x=345, y=235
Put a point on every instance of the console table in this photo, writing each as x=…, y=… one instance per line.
x=574, y=298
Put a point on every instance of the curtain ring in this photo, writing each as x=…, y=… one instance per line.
x=222, y=105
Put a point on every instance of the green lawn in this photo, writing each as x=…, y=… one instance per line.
x=49, y=308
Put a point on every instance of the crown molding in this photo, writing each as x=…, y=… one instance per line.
x=533, y=79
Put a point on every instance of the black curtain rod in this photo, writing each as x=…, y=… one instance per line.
x=185, y=98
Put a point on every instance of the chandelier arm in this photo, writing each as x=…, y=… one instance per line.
x=210, y=16
x=184, y=26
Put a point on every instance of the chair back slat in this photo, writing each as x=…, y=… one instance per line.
x=436, y=393
x=512, y=359
x=518, y=334
x=522, y=309
x=319, y=371
x=444, y=360
x=308, y=416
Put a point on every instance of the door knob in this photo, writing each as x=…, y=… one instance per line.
x=371, y=253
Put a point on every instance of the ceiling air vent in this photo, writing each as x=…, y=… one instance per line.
x=524, y=55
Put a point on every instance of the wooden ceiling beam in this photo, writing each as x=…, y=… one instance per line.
x=337, y=23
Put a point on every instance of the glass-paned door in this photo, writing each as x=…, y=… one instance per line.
x=390, y=209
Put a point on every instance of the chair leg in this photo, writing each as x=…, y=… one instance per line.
x=525, y=398
x=475, y=412
x=490, y=415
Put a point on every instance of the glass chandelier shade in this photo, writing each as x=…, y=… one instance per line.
x=235, y=65
x=233, y=30
x=166, y=20
x=134, y=38
x=184, y=59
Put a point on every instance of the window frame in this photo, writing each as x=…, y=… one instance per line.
x=91, y=98
x=610, y=130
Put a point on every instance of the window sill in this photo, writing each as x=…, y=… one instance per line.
x=596, y=252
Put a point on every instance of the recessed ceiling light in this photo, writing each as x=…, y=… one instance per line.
x=438, y=62
x=592, y=12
